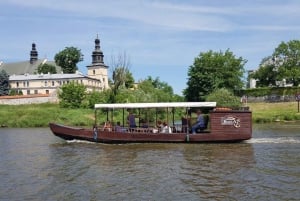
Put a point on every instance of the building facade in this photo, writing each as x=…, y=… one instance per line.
x=23, y=76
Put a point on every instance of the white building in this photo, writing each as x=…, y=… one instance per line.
x=23, y=75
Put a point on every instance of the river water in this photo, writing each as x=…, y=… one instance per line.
x=36, y=165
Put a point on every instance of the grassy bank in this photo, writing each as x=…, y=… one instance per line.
x=272, y=112
x=39, y=115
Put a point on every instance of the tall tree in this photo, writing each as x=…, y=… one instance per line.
x=284, y=63
x=214, y=70
x=68, y=58
x=266, y=74
x=287, y=58
x=157, y=84
x=4, y=83
x=46, y=68
x=122, y=77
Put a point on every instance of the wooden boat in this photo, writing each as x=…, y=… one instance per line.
x=225, y=125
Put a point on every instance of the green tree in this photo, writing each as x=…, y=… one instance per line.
x=46, y=68
x=157, y=84
x=158, y=90
x=266, y=74
x=4, y=83
x=284, y=63
x=68, y=58
x=121, y=75
x=287, y=60
x=224, y=98
x=71, y=95
x=95, y=97
x=214, y=70
x=129, y=81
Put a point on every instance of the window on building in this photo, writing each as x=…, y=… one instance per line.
x=24, y=84
x=17, y=83
x=35, y=91
x=94, y=72
x=53, y=83
x=28, y=92
x=46, y=83
x=27, y=83
x=47, y=91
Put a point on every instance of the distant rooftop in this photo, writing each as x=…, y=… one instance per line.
x=30, y=66
x=77, y=75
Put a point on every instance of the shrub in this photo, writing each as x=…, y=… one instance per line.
x=224, y=98
x=71, y=95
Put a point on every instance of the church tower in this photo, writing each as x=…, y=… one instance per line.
x=98, y=69
x=33, y=54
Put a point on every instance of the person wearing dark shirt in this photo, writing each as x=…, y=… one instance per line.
x=200, y=122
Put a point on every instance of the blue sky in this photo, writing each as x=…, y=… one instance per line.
x=162, y=38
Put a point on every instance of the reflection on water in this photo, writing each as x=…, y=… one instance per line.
x=35, y=165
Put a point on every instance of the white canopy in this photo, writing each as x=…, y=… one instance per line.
x=157, y=105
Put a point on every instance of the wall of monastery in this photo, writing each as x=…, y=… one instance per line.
x=27, y=99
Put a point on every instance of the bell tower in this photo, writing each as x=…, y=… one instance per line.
x=33, y=54
x=98, y=69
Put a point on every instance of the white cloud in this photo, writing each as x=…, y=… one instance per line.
x=165, y=34
x=187, y=16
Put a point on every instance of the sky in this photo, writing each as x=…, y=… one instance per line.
x=161, y=38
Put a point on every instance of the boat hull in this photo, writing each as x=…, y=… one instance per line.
x=224, y=126
x=73, y=133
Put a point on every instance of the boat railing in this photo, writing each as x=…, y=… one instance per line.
x=176, y=128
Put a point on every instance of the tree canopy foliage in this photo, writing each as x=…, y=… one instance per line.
x=145, y=92
x=214, y=70
x=72, y=95
x=224, y=98
x=284, y=63
x=287, y=58
x=122, y=77
x=4, y=83
x=46, y=68
x=265, y=74
x=68, y=58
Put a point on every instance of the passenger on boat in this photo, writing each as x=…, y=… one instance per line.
x=159, y=126
x=131, y=119
x=200, y=124
x=107, y=126
x=119, y=128
x=144, y=123
x=166, y=128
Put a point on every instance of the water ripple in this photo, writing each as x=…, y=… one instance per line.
x=36, y=165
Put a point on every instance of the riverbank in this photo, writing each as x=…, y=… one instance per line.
x=274, y=112
x=39, y=115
